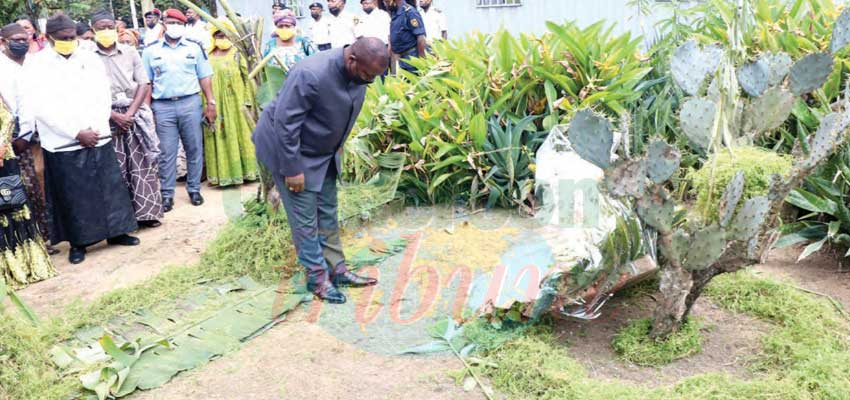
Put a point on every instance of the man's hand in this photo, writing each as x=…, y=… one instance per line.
x=20, y=145
x=210, y=114
x=87, y=138
x=295, y=183
x=124, y=121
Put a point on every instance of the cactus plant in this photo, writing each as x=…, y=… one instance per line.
x=754, y=77
x=748, y=221
x=592, y=138
x=840, y=32
x=730, y=199
x=769, y=111
x=779, y=65
x=627, y=178
x=810, y=73
x=662, y=161
x=697, y=120
x=690, y=64
x=707, y=245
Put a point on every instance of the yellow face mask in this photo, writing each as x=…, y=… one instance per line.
x=285, y=33
x=106, y=37
x=224, y=44
x=65, y=47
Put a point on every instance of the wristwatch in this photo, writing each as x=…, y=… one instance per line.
x=211, y=102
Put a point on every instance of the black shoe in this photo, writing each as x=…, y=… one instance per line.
x=167, y=204
x=77, y=255
x=350, y=279
x=124, y=240
x=150, y=224
x=325, y=291
x=182, y=178
x=196, y=198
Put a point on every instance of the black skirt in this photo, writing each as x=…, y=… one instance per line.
x=87, y=196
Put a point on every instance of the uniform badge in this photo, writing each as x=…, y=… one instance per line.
x=157, y=71
x=414, y=22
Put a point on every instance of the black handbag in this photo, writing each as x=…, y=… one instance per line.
x=13, y=194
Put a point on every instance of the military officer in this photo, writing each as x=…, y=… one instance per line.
x=407, y=33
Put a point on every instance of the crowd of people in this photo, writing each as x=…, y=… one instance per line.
x=98, y=121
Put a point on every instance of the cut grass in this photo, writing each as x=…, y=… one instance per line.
x=634, y=345
x=255, y=244
x=805, y=357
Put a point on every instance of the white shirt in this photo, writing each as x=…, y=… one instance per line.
x=61, y=97
x=199, y=33
x=153, y=34
x=341, y=29
x=376, y=24
x=435, y=24
x=320, y=32
x=10, y=71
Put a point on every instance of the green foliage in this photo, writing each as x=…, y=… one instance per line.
x=26, y=370
x=758, y=165
x=634, y=345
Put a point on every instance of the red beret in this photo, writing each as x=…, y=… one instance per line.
x=154, y=11
x=176, y=14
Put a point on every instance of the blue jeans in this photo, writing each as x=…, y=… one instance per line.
x=179, y=120
x=315, y=229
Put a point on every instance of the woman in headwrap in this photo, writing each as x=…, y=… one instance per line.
x=36, y=40
x=129, y=37
x=287, y=47
x=228, y=150
x=23, y=254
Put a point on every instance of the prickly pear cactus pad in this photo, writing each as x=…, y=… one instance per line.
x=707, y=245
x=754, y=77
x=769, y=111
x=591, y=137
x=730, y=199
x=841, y=32
x=779, y=65
x=662, y=161
x=697, y=120
x=824, y=139
x=749, y=219
x=690, y=64
x=627, y=178
x=810, y=73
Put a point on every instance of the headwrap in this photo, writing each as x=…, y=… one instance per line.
x=224, y=21
x=131, y=34
x=176, y=14
x=101, y=15
x=285, y=18
x=58, y=23
x=317, y=5
x=82, y=28
x=12, y=30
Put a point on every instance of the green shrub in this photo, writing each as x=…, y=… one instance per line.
x=757, y=164
x=634, y=345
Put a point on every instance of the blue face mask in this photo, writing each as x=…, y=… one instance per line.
x=19, y=49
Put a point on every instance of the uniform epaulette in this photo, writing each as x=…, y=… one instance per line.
x=407, y=7
x=154, y=42
x=197, y=42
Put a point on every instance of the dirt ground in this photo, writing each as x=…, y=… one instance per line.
x=299, y=359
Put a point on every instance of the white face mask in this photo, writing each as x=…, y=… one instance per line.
x=175, y=31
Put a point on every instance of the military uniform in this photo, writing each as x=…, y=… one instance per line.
x=405, y=28
x=175, y=73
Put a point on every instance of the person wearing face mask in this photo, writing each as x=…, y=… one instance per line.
x=131, y=122
x=340, y=24
x=320, y=32
x=286, y=46
x=36, y=41
x=179, y=70
x=299, y=138
x=16, y=43
x=153, y=27
x=407, y=33
x=65, y=92
x=228, y=150
x=197, y=29
x=376, y=23
x=85, y=36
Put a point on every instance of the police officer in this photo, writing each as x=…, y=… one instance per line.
x=178, y=69
x=407, y=33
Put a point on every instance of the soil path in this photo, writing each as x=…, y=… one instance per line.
x=185, y=233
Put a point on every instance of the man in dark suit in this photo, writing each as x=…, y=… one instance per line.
x=299, y=138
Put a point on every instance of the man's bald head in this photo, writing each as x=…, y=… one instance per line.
x=366, y=59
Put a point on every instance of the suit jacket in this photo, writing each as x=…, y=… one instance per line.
x=304, y=128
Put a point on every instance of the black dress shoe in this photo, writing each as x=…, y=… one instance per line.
x=196, y=198
x=325, y=291
x=150, y=224
x=167, y=204
x=77, y=255
x=124, y=240
x=350, y=279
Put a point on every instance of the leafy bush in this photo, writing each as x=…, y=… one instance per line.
x=758, y=165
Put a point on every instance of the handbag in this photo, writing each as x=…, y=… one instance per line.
x=13, y=194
